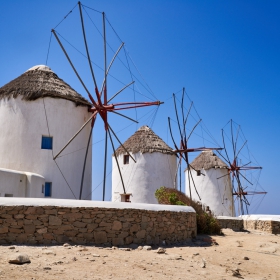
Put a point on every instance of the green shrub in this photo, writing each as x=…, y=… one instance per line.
x=206, y=222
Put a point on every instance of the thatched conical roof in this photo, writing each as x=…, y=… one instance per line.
x=144, y=140
x=40, y=81
x=207, y=160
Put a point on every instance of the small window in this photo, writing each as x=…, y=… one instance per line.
x=47, y=143
x=126, y=159
x=198, y=172
x=48, y=189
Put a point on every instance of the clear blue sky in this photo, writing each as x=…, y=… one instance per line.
x=225, y=53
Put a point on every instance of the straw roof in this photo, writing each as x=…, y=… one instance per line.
x=207, y=160
x=40, y=81
x=144, y=140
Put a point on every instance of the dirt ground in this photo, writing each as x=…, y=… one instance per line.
x=234, y=255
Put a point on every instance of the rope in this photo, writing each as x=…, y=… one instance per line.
x=94, y=62
x=148, y=88
x=66, y=16
x=127, y=67
x=132, y=85
x=91, y=9
x=49, y=49
x=154, y=117
x=127, y=55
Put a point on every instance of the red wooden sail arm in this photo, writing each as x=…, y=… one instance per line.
x=195, y=150
x=248, y=193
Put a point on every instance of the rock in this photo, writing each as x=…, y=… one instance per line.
x=74, y=259
x=42, y=230
x=117, y=241
x=233, y=272
x=100, y=237
x=148, y=248
x=239, y=243
x=170, y=257
x=95, y=255
x=125, y=249
x=141, y=234
x=195, y=254
x=203, y=264
x=59, y=262
x=19, y=259
x=48, y=252
x=117, y=225
x=246, y=258
x=161, y=250
x=54, y=221
x=47, y=268
x=66, y=245
x=140, y=248
x=83, y=249
x=12, y=247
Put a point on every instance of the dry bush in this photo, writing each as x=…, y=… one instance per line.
x=206, y=222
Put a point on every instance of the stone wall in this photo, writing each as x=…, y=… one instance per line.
x=230, y=222
x=262, y=225
x=93, y=225
x=251, y=223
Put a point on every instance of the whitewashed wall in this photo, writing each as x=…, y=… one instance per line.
x=143, y=178
x=215, y=193
x=20, y=184
x=22, y=125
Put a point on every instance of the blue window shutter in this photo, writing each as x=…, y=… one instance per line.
x=48, y=189
x=46, y=143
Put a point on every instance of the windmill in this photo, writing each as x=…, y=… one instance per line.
x=101, y=103
x=242, y=167
x=182, y=149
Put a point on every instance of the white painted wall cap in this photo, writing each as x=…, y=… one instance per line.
x=229, y=218
x=40, y=68
x=19, y=201
x=261, y=217
x=20, y=172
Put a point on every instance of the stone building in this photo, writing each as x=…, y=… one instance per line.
x=213, y=183
x=39, y=113
x=155, y=167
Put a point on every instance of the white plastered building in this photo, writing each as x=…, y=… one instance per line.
x=155, y=167
x=212, y=182
x=39, y=113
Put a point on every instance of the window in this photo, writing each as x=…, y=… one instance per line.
x=46, y=143
x=126, y=159
x=198, y=172
x=8, y=195
x=48, y=189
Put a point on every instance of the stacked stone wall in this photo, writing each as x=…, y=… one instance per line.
x=262, y=225
x=275, y=227
x=239, y=224
x=234, y=224
x=87, y=225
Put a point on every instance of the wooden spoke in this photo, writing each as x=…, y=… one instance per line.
x=84, y=166
x=115, y=155
x=105, y=164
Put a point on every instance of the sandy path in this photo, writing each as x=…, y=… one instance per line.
x=197, y=261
